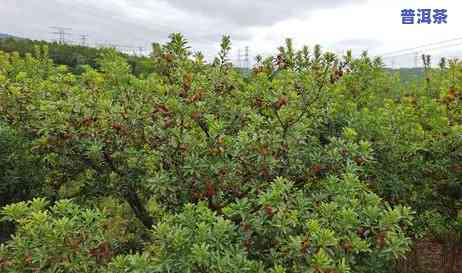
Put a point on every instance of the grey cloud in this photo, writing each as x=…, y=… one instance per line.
x=138, y=23
x=34, y=17
x=256, y=12
x=117, y=22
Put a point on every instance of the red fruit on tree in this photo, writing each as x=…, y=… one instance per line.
x=210, y=192
x=455, y=168
x=269, y=211
x=305, y=245
x=282, y=101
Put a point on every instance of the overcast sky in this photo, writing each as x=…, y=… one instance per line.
x=262, y=25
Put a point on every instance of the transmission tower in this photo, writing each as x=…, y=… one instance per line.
x=246, y=57
x=140, y=50
x=239, y=64
x=61, y=33
x=83, y=39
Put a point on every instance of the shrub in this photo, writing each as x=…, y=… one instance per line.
x=60, y=238
x=283, y=168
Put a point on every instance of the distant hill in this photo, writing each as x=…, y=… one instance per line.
x=409, y=74
x=75, y=57
x=4, y=35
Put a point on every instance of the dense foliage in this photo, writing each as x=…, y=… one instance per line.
x=312, y=163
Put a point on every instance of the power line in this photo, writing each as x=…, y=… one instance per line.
x=427, y=49
x=134, y=50
x=419, y=47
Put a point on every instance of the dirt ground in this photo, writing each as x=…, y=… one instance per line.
x=430, y=256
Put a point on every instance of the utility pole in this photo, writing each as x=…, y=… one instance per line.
x=416, y=59
x=61, y=32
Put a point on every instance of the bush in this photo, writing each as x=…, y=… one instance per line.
x=61, y=238
x=20, y=172
x=336, y=225
x=200, y=168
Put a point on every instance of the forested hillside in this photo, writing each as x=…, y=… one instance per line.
x=311, y=163
x=73, y=56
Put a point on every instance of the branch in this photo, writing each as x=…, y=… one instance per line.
x=130, y=195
